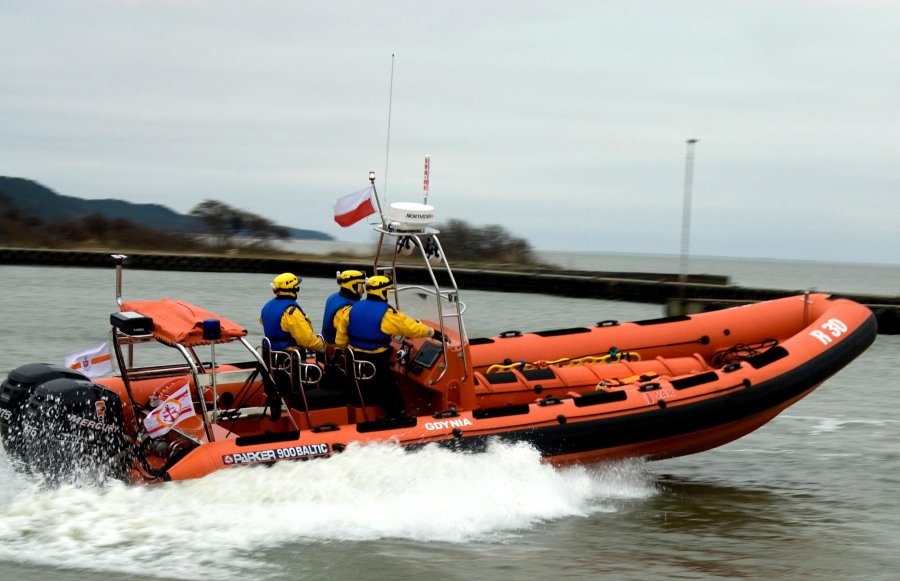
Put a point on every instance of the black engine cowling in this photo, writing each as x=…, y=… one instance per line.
x=15, y=392
x=68, y=428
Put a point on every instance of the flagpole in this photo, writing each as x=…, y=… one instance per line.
x=377, y=201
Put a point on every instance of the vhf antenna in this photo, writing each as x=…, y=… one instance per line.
x=387, y=152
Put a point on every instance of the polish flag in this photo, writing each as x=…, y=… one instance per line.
x=352, y=208
x=94, y=362
x=169, y=413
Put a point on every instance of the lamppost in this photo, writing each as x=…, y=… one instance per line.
x=686, y=216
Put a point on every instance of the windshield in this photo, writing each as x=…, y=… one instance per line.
x=420, y=302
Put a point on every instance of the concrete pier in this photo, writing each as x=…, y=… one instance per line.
x=701, y=292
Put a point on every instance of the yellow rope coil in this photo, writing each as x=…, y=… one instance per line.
x=566, y=362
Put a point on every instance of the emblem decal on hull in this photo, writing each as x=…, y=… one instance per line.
x=654, y=396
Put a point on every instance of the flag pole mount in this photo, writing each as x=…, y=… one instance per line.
x=377, y=200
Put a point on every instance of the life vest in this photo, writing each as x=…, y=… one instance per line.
x=271, y=315
x=335, y=303
x=364, y=328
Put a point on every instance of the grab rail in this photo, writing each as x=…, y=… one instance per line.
x=358, y=370
x=302, y=379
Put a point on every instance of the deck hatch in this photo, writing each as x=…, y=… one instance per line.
x=599, y=397
x=663, y=320
x=510, y=410
x=501, y=377
x=695, y=380
x=770, y=356
x=533, y=374
x=558, y=332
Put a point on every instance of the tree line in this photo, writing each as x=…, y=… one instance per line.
x=463, y=241
x=226, y=228
x=228, y=224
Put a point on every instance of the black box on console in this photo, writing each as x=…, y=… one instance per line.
x=131, y=323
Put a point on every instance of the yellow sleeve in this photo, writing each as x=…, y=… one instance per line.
x=341, y=320
x=396, y=323
x=299, y=326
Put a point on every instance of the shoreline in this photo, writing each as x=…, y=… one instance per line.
x=701, y=292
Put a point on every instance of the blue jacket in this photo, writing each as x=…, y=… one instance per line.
x=271, y=315
x=335, y=303
x=364, y=327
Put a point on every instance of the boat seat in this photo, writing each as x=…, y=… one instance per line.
x=350, y=377
x=290, y=370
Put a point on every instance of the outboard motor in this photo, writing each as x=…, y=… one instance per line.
x=14, y=394
x=72, y=429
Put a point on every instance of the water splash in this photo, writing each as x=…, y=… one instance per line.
x=215, y=526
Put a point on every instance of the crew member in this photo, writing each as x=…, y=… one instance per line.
x=284, y=322
x=367, y=328
x=350, y=289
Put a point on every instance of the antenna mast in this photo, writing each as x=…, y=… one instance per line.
x=387, y=152
x=427, y=177
x=686, y=213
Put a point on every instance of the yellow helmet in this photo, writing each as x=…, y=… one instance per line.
x=379, y=286
x=352, y=280
x=286, y=284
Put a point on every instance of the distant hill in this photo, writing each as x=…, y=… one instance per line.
x=43, y=202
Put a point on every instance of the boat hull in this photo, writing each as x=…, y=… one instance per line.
x=682, y=416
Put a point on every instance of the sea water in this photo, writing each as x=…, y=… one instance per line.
x=810, y=495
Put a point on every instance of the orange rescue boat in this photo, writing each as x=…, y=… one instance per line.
x=655, y=389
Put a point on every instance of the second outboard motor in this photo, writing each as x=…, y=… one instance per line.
x=15, y=391
x=72, y=429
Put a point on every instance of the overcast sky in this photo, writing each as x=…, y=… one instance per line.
x=563, y=121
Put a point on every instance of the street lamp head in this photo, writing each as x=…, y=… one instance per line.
x=692, y=141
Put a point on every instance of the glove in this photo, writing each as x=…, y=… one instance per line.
x=438, y=336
